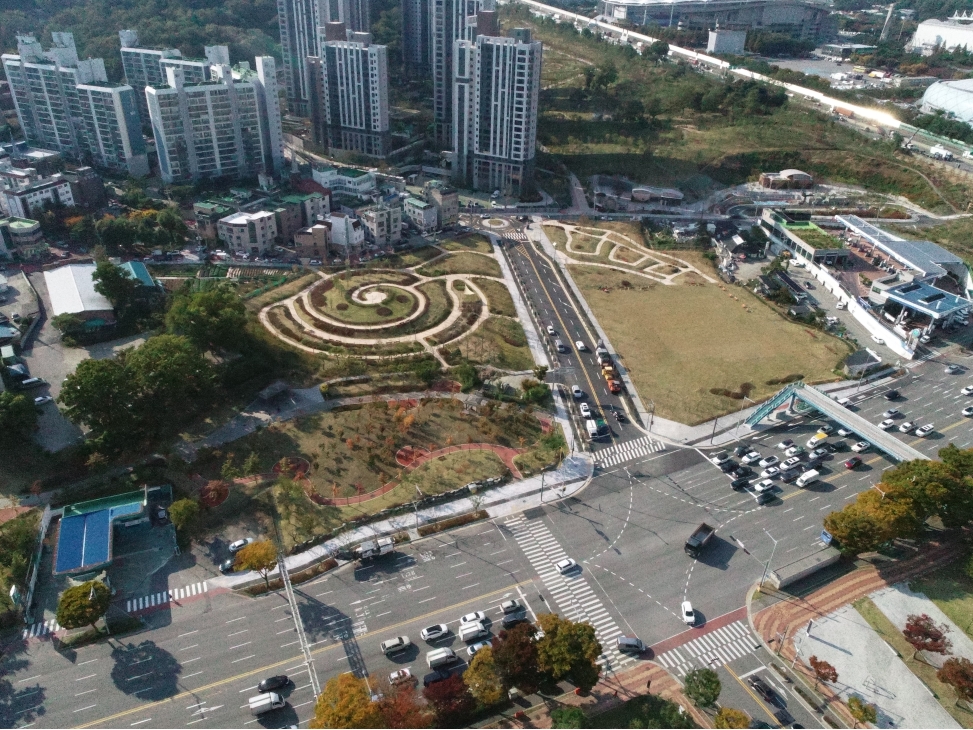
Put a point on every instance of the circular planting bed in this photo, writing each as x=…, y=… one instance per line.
x=358, y=302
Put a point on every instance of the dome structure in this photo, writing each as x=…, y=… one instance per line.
x=954, y=98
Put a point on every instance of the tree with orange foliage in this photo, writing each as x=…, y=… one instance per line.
x=401, y=708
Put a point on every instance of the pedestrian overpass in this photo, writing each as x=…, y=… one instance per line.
x=797, y=394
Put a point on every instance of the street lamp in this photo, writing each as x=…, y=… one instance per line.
x=767, y=566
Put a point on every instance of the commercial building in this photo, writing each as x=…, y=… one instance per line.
x=31, y=198
x=804, y=239
x=730, y=42
x=423, y=215
x=947, y=35
x=799, y=18
x=952, y=98
x=383, y=223
x=497, y=86
x=248, y=233
x=450, y=21
x=227, y=127
x=350, y=102
x=67, y=105
x=71, y=290
x=786, y=180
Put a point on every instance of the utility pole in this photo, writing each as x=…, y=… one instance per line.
x=767, y=565
x=298, y=623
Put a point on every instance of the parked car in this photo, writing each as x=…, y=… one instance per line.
x=226, y=567
x=752, y=457
x=401, y=676
x=743, y=471
x=892, y=413
x=951, y=369
x=791, y=462
x=845, y=432
x=474, y=648
x=907, y=426
x=886, y=424
x=728, y=466
x=968, y=411
x=585, y=410
x=740, y=450
x=720, y=458
x=818, y=453
x=688, y=614
x=740, y=483
x=396, y=645
x=511, y=606
x=785, y=444
x=794, y=451
x=577, y=392
x=42, y=399
x=825, y=429
x=770, y=472
x=968, y=390
x=891, y=394
x=769, y=461
x=473, y=617
x=238, y=545
x=763, y=486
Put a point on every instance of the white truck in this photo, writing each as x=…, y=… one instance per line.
x=265, y=703
x=374, y=548
x=940, y=153
x=808, y=477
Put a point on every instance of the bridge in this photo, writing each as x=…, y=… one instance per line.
x=812, y=397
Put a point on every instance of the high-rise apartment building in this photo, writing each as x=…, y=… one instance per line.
x=299, y=23
x=68, y=105
x=227, y=127
x=497, y=86
x=350, y=109
x=450, y=21
x=416, y=28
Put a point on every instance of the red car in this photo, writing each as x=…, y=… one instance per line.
x=852, y=462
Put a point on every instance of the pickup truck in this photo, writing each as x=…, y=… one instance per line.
x=614, y=386
x=374, y=548
x=697, y=541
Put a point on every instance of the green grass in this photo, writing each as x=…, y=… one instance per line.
x=499, y=342
x=398, y=303
x=282, y=292
x=951, y=589
x=437, y=310
x=498, y=295
x=469, y=242
x=405, y=260
x=463, y=263
x=556, y=234
x=453, y=471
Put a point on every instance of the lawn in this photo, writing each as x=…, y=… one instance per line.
x=463, y=263
x=282, y=292
x=950, y=588
x=733, y=341
x=468, y=242
x=438, y=309
x=499, y=296
x=405, y=259
x=334, y=299
x=894, y=638
x=556, y=234
x=452, y=471
x=500, y=342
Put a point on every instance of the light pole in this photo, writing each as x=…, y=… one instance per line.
x=767, y=566
x=797, y=649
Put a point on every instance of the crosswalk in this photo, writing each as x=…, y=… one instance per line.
x=41, y=629
x=711, y=650
x=164, y=597
x=574, y=598
x=627, y=451
x=515, y=236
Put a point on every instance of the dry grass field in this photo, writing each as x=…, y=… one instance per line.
x=679, y=342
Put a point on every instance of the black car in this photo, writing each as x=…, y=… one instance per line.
x=765, y=497
x=789, y=475
x=840, y=446
x=276, y=682
x=740, y=483
x=891, y=395
x=727, y=466
x=741, y=450
x=512, y=619
x=438, y=675
x=226, y=567
x=743, y=471
x=761, y=688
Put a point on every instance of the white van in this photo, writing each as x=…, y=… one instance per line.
x=808, y=477
x=471, y=631
x=592, y=428
x=440, y=657
x=816, y=440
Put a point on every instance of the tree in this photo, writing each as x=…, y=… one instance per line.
x=115, y=284
x=184, y=513
x=657, y=51
x=101, y=395
x=401, y=708
x=67, y=322
x=83, y=605
x=84, y=232
x=729, y=717
x=482, y=679
x=823, y=672
x=214, y=319
x=958, y=674
x=229, y=471
x=260, y=556
x=568, y=716
x=862, y=711
x=346, y=702
x=925, y=635
x=607, y=75
x=589, y=76
x=116, y=234
x=251, y=464
x=451, y=700
x=703, y=687
x=568, y=649
x=515, y=656
x=428, y=371
x=18, y=416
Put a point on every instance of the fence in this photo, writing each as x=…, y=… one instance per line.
x=35, y=565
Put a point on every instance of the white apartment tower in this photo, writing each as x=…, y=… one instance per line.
x=227, y=127
x=497, y=86
x=68, y=105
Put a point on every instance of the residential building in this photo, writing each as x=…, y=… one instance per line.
x=313, y=242
x=67, y=105
x=383, y=223
x=21, y=237
x=208, y=215
x=347, y=234
x=71, y=290
x=416, y=50
x=423, y=215
x=32, y=198
x=347, y=180
x=293, y=212
x=497, y=86
x=227, y=127
x=248, y=233
x=445, y=198
x=450, y=21
x=350, y=110
x=23, y=157
x=87, y=187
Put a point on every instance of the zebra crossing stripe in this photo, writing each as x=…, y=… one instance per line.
x=719, y=647
x=628, y=450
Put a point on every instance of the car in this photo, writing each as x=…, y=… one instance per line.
x=892, y=413
x=740, y=450
x=511, y=606
x=861, y=447
x=924, y=430
x=238, y=545
x=886, y=424
x=585, y=410
x=907, y=426
x=770, y=472
x=968, y=390
x=825, y=429
x=436, y=631
x=791, y=462
x=968, y=411
x=808, y=285
x=687, y=613
x=476, y=616
x=891, y=394
x=728, y=466
x=472, y=649
x=227, y=566
x=794, y=451
x=581, y=346
x=853, y=462
x=751, y=458
x=837, y=446
x=819, y=453
x=769, y=461
x=740, y=483
x=565, y=566
x=577, y=392
x=278, y=681
x=401, y=676
x=314, y=262
x=550, y=330
x=761, y=688
x=951, y=369
x=878, y=339
x=720, y=458
x=396, y=645
x=160, y=513
x=743, y=471
x=42, y=399
x=785, y=444
x=789, y=475
x=763, y=486
x=845, y=432
x=438, y=675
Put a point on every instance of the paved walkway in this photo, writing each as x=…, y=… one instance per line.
x=898, y=602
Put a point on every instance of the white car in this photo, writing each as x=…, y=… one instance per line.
x=825, y=429
x=473, y=617
x=886, y=424
x=396, y=645
x=720, y=458
x=581, y=346
x=845, y=432
x=550, y=330
x=42, y=399
x=770, y=472
x=763, y=486
x=474, y=648
x=891, y=413
x=950, y=369
x=907, y=426
x=769, y=461
x=785, y=444
x=401, y=676
x=688, y=614
x=968, y=390
x=585, y=410
x=968, y=411
x=752, y=457
x=436, y=631
x=924, y=430
x=791, y=462
x=577, y=392
x=861, y=447
x=238, y=545
x=794, y=451
x=878, y=339
x=565, y=566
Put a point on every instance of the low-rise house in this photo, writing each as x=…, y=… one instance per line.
x=423, y=215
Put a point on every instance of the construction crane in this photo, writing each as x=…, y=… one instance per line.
x=885, y=29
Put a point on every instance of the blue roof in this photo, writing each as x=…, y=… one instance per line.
x=137, y=270
x=84, y=541
x=927, y=299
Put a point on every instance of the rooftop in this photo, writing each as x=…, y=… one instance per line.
x=23, y=225
x=926, y=257
x=136, y=270
x=416, y=203
x=928, y=299
x=72, y=290
x=814, y=236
